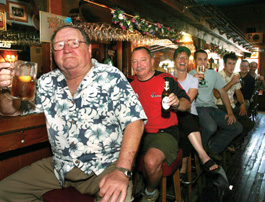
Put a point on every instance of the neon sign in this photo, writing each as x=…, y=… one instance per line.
x=5, y=45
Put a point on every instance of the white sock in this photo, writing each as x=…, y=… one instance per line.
x=150, y=193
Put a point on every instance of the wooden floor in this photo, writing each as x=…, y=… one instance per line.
x=246, y=171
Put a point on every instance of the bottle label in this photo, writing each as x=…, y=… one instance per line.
x=164, y=103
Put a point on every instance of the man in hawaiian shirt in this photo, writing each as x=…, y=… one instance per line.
x=232, y=85
x=94, y=122
x=233, y=88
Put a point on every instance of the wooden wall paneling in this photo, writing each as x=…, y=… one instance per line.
x=13, y=161
x=119, y=55
x=54, y=7
x=126, y=58
x=262, y=63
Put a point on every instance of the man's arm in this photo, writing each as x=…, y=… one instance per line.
x=179, y=100
x=216, y=94
x=131, y=140
x=230, y=116
x=184, y=105
x=115, y=184
x=240, y=99
x=178, y=104
x=234, y=80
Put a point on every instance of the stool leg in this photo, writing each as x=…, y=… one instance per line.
x=164, y=189
x=177, y=189
x=189, y=178
x=198, y=172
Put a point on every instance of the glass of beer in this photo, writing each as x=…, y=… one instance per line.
x=24, y=80
x=201, y=69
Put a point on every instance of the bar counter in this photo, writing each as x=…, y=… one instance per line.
x=23, y=140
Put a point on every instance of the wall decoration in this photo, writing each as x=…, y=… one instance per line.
x=17, y=11
x=2, y=21
x=143, y=26
x=219, y=50
x=50, y=22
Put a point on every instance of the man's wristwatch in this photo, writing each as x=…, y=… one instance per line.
x=125, y=171
x=176, y=107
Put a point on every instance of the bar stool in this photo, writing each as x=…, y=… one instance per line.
x=198, y=175
x=69, y=194
x=172, y=170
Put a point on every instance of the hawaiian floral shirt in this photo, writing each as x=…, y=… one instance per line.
x=231, y=91
x=86, y=130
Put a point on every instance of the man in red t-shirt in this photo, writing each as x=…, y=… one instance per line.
x=160, y=141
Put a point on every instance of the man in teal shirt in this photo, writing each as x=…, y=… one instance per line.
x=210, y=116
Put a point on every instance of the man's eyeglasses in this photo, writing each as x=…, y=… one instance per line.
x=72, y=43
x=184, y=58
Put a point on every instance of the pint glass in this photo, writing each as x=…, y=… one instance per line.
x=24, y=80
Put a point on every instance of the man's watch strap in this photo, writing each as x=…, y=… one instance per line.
x=125, y=171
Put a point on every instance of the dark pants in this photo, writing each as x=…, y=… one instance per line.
x=244, y=120
x=210, y=119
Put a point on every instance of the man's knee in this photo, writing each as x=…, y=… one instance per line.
x=210, y=129
x=153, y=160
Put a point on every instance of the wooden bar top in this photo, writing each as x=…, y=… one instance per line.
x=15, y=123
x=22, y=131
x=23, y=140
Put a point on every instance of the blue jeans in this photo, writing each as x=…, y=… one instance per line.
x=210, y=118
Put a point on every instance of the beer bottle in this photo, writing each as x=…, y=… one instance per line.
x=164, y=105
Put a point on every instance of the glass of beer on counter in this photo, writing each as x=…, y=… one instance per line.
x=24, y=80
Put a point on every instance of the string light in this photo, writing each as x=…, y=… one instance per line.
x=10, y=58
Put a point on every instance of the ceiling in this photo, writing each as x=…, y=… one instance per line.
x=222, y=22
x=225, y=3
x=247, y=15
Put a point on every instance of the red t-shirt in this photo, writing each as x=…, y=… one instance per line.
x=149, y=94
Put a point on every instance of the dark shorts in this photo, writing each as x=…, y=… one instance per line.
x=188, y=123
x=163, y=141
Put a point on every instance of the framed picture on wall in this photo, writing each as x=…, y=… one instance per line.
x=2, y=21
x=17, y=11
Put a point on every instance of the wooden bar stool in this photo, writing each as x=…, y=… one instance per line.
x=172, y=170
x=69, y=194
x=198, y=173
